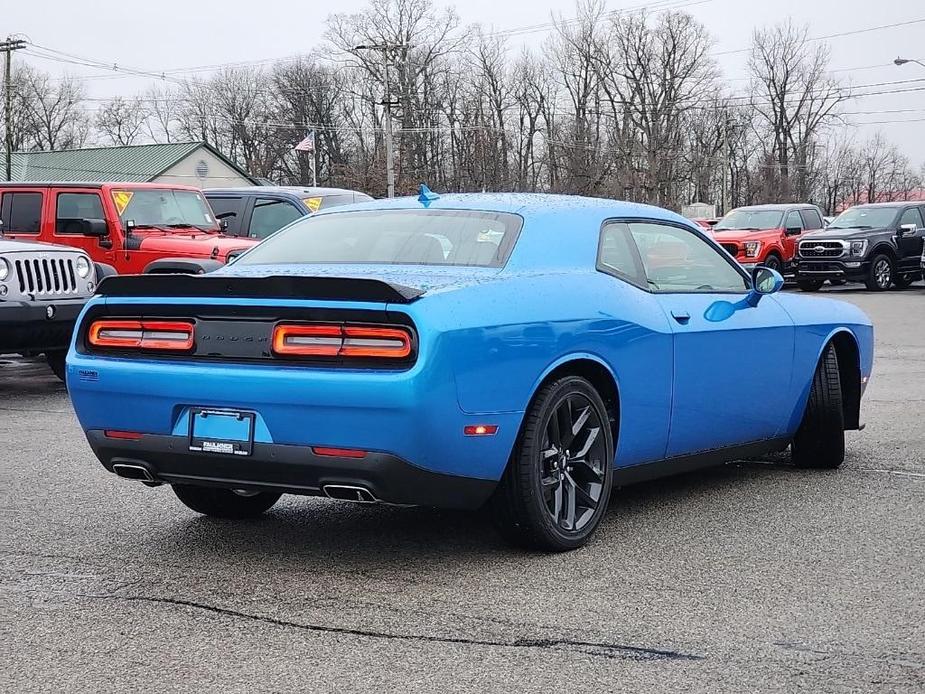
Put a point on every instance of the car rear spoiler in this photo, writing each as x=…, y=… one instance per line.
x=276, y=287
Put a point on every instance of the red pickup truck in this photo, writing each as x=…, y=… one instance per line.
x=766, y=234
x=130, y=227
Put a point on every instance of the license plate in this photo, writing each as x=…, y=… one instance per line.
x=224, y=432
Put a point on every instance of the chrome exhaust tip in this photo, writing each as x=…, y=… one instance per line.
x=346, y=492
x=131, y=471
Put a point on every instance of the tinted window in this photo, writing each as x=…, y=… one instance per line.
x=397, y=237
x=912, y=216
x=72, y=207
x=751, y=220
x=811, y=219
x=677, y=260
x=270, y=216
x=21, y=212
x=231, y=207
x=617, y=254
x=794, y=220
x=865, y=218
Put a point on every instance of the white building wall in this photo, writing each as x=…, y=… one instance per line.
x=189, y=171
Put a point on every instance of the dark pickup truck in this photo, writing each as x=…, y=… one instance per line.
x=878, y=244
x=42, y=289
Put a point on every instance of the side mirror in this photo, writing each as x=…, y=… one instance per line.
x=906, y=229
x=794, y=231
x=85, y=227
x=223, y=225
x=764, y=281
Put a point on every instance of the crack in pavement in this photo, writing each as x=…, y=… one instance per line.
x=605, y=650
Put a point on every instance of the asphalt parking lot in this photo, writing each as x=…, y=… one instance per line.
x=751, y=577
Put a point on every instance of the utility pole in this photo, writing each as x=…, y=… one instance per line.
x=386, y=50
x=7, y=47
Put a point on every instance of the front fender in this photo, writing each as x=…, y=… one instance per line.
x=182, y=266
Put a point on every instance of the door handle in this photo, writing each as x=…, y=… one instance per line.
x=681, y=316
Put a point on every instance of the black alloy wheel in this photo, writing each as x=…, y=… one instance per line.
x=773, y=262
x=556, y=487
x=881, y=273
x=572, y=459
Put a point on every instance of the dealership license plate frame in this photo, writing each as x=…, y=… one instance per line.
x=221, y=432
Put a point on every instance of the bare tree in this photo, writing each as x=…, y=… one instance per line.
x=164, y=109
x=54, y=117
x=120, y=121
x=794, y=99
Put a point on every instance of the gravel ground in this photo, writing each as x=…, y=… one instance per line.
x=751, y=577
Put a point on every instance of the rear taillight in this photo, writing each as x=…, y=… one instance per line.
x=172, y=336
x=332, y=340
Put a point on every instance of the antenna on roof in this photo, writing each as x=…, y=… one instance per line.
x=426, y=195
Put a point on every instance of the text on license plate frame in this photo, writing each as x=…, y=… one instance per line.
x=229, y=432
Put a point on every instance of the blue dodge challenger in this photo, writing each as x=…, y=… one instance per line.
x=525, y=351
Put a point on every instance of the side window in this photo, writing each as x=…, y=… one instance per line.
x=617, y=254
x=72, y=207
x=677, y=260
x=21, y=213
x=811, y=219
x=794, y=221
x=912, y=216
x=271, y=215
x=232, y=208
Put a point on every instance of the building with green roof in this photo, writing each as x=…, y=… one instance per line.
x=188, y=163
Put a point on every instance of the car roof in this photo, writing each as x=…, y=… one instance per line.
x=780, y=206
x=95, y=184
x=524, y=204
x=897, y=204
x=311, y=191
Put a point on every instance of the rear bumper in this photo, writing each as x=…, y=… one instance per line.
x=292, y=470
x=412, y=415
x=27, y=327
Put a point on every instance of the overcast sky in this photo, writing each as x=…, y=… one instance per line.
x=172, y=34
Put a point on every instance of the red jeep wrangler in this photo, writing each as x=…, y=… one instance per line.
x=131, y=227
x=766, y=234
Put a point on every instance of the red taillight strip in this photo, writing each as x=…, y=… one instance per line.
x=307, y=340
x=326, y=340
x=125, y=435
x=176, y=336
x=338, y=452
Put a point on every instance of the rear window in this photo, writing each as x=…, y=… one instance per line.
x=21, y=212
x=394, y=237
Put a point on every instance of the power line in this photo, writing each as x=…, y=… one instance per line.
x=839, y=35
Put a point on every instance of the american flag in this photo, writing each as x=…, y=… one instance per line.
x=308, y=144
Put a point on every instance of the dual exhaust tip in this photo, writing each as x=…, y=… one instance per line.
x=341, y=492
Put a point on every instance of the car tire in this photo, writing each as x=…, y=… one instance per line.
x=541, y=495
x=881, y=273
x=56, y=362
x=809, y=285
x=224, y=503
x=774, y=262
x=820, y=440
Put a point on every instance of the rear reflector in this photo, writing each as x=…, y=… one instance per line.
x=176, y=336
x=126, y=435
x=326, y=340
x=338, y=452
x=480, y=430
